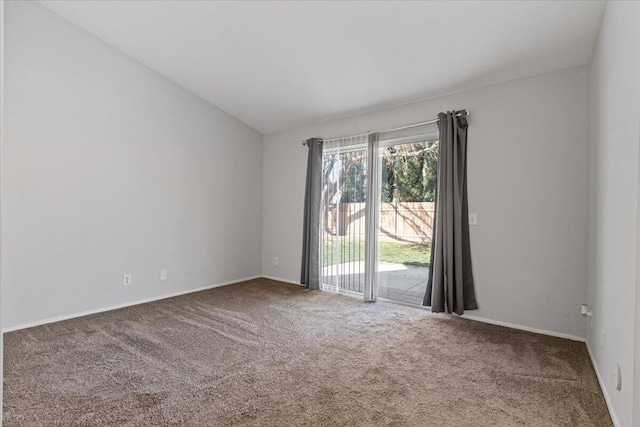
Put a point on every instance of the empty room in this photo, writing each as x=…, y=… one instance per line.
x=319, y=213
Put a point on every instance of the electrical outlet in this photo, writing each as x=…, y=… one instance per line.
x=602, y=339
x=617, y=377
x=473, y=219
x=163, y=274
x=275, y=261
x=126, y=280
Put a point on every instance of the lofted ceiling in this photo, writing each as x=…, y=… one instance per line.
x=277, y=65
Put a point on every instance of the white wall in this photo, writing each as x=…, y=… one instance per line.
x=1, y=145
x=528, y=170
x=613, y=206
x=109, y=168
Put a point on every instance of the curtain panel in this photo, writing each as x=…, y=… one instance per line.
x=450, y=287
x=310, y=271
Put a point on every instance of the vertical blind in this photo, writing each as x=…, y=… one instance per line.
x=343, y=234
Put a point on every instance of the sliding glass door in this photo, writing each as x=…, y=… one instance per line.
x=406, y=209
x=343, y=235
x=404, y=206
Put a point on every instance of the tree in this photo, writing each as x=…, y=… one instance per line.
x=353, y=177
x=409, y=172
x=344, y=180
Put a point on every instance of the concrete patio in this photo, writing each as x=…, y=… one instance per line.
x=395, y=281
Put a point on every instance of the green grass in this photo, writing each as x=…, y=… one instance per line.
x=397, y=253
x=405, y=253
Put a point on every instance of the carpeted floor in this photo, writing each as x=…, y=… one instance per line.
x=263, y=353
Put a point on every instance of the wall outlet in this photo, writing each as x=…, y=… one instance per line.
x=473, y=219
x=163, y=274
x=275, y=261
x=602, y=339
x=126, y=280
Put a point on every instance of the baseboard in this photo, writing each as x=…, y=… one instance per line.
x=525, y=328
x=123, y=305
x=607, y=399
x=293, y=282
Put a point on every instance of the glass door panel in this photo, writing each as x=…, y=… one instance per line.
x=406, y=210
x=343, y=215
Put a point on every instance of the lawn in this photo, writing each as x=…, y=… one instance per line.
x=392, y=252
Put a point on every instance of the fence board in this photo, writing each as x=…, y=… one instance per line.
x=409, y=222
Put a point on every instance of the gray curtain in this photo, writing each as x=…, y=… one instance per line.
x=450, y=286
x=310, y=272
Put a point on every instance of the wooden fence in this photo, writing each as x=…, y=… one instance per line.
x=408, y=222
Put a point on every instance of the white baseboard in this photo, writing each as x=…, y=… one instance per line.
x=123, y=305
x=525, y=328
x=607, y=399
x=293, y=282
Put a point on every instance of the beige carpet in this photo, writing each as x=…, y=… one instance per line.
x=263, y=353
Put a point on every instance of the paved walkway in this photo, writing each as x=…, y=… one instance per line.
x=395, y=281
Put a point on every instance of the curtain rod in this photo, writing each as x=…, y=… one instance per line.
x=429, y=122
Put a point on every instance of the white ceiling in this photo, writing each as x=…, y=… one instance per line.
x=276, y=65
